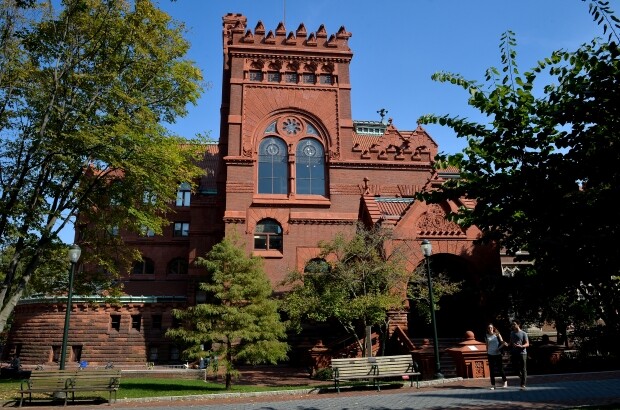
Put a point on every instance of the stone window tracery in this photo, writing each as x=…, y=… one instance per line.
x=287, y=135
x=271, y=128
x=291, y=126
x=310, y=167
x=310, y=129
x=272, y=167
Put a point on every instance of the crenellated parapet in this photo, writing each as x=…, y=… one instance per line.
x=278, y=56
x=270, y=72
x=236, y=33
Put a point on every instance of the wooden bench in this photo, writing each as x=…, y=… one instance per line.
x=61, y=383
x=374, y=368
x=44, y=381
x=398, y=366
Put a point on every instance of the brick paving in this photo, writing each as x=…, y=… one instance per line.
x=543, y=392
x=564, y=391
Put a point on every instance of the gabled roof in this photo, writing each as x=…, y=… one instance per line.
x=386, y=208
x=376, y=140
x=393, y=207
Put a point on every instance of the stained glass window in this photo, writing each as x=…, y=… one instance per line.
x=310, y=167
x=272, y=166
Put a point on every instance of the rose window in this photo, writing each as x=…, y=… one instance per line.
x=291, y=126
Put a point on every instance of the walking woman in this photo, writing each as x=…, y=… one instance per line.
x=495, y=343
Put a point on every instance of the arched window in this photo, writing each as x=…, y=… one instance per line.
x=310, y=168
x=317, y=265
x=177, y=266
x=276, y=165
x=272, y=166
x=268, y=235
x=144, y=267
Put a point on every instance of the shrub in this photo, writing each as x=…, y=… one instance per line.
x=323, y=374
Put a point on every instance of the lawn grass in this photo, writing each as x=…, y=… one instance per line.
x=158, y=387
x=149, y=387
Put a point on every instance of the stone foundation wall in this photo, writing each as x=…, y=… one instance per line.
x=98, y=333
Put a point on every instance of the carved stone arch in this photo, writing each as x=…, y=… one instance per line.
x=434, y=222
x=292, y=66
x=327, y=68
x=452, y=260
x=275, y=65
x=257, y=64
x=250, y=148
x=304, y=255
x=310, y=67
x=256, y=215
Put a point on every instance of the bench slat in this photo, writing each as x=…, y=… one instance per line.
x=373, y=368
x=70, y=382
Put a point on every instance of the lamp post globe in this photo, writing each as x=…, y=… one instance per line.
x=427, y=251
x=73, y=254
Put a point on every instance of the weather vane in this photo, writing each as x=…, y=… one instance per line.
x=382, y=112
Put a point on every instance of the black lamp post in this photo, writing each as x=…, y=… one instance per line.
x=427, y=250
x=74, y=255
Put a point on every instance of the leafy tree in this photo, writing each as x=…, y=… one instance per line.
x=543, y=170
x=240, y=319
x=354, y=281
x=84, y=92
x=418, y=291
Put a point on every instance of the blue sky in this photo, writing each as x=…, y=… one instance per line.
x=397, y=46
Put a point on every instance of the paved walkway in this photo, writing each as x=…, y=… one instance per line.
x=543, y=392
x=567, y=391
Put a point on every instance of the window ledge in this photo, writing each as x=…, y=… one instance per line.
x=291, y=200
x=267, y=254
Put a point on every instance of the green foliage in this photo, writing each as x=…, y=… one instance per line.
x=326, y=373
x=240, y=318
x=418, y=291
x=359, y=285
x=84, y=91
x=543, y=170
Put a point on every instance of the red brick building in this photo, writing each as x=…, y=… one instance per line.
x=291, y=168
